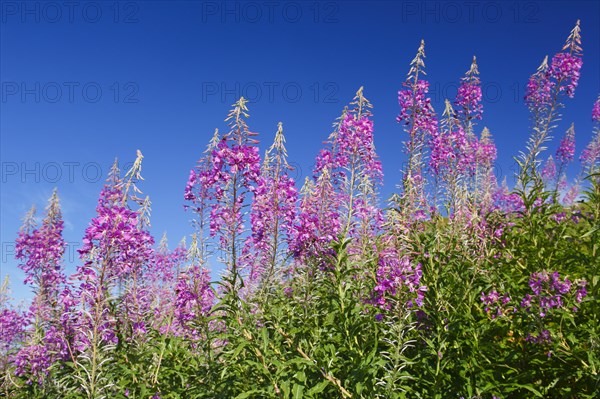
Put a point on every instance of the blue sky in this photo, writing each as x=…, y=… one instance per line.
x=85, y=82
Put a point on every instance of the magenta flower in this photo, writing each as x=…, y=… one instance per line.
x=550, y=292
x=571, y=194
x=452, y=153
x=116, y=248
x=590, y=156
x=33, y=360
x=596, y=111
x=544, y=99
x=398, y=282
x=468, y=97
x=486, y=149
x=494, y=303
x=543, y=337
x=416, y=110
x=549, y=170
x=219, y=189
x=565, y=69
x=12, y=327
x=342, y=199
x=194, y=299
x=506, y=201
x=273, y=214
x=114, y=238
x=540, y=88
x=356, y=146
x=566, y=150
x=318, y=222
x=420, y=122
x=41, y=250
x=359, y=174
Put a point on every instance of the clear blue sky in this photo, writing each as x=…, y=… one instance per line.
x=85, y=82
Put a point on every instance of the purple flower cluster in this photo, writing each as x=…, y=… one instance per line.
x=452, y=153
x=561, y=76
x=33, y=360
x=494, y=303
x=596, y=110
x=361, y=176
x=273, y=213
x=356, y=145
x=507, y=201
x=274, y=198
x=416, y=111
x=420, y=122
x=318, y=221
x=228, y=161
x=549, y=170
x=114, y=239
x=565, y=69
x=12, y=325
x=398, y=281
x=540, y=88
x=237, y=167
x=223, y=179
x=41, y=250
x=343, y=196
x=194, y=298
x=566, y=150
x=590, y=156
x=116, y=250
x=272, y=219
x=486, y=151
x=543, y=337
x=549, y=292
x=468, y=97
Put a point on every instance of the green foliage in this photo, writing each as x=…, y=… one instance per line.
x=316, y=334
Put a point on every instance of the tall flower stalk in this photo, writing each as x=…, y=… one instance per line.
x=452, y=158
x=12, y=333
x=115, y=249
x=199, y=191
x=160, y=278
x=590, y=156
x=318, y=221
x=223, y=181
x=272, y=215
x=194, y=297
x=343, y=198
x=361, y=174
x=469, y=109
x=485, y=180
x=420, y=123
x=468, y=99
x=545, y=90
x=564, y=155
x=40, y=251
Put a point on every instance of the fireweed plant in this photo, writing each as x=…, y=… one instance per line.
x=459, y=288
